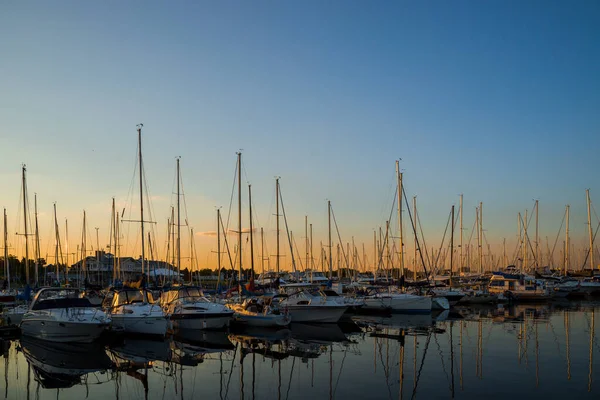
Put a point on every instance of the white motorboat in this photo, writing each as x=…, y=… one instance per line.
x=253, y=312
x=61, y=315
x=404, y=303
x=305, y=307
x=134, y=311
x=188, y=308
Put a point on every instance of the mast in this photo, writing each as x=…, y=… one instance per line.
x=481, y=236
x=329, y=224
x=525, y=241
x=537, y=237
x=401, y=243
x=239, y=177
x=312, y=260
x=567, y=244
x=277, y=219
x=114, y=239
x=262, y=251
x=25, y=224
x=415, y=237
x=251, y=229
x=306, y=243
x=460, y=211
x=56, y=237
x=6, y=264
x=218, y=247
x=139, y=126
x=478, y=236
x=37, y=242
x=178, y=225
x=84, y=248
x=592, y=266
x=452, y=246
x=66, y=247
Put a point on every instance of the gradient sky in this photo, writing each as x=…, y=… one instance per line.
x=498, y=100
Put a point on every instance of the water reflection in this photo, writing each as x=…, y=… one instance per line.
x=496, y=352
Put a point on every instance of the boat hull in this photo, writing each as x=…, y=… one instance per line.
x=404, y=304
x=146, y=325
x=61, y=331
x=201, y=321
x=261, y=320
x=318, y=314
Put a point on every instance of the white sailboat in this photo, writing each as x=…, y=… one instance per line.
x=252, y=311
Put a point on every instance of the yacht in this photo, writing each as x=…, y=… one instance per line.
x=518, y=286
x=134, y=311
x=254, y=312
x=306, y=307
x=382, y=298
x=62, y=315
x=189, y=309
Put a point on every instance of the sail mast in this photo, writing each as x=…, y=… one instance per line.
x=139, y=126
x=592, y=266
x=56, y=245
x=329, y=223
x=251, y=230
x=460, y=211
x=399, y=177
x=6, y=264
x=37, y=243
x=25, y=224
x=239, y=177
x=178, y=226
x=567, y=244
x=452, y=247
x=277, y=219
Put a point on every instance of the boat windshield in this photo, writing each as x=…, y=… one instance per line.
x=131, y=297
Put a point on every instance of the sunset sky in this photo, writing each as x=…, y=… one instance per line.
x=496, y=100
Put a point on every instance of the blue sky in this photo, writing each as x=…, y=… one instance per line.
x=495, y=100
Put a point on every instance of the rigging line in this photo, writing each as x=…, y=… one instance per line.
x=232, y=195
x=287, y=395
x=416, y=236
x=442, y=244
x=337, y=381
x=587, y=254
x=418, y=219
x=385, y=242
x=287, y=230
x=227, y=247
x=340, y=239
x=441, y=356
x=557, y=235
x=414, y=393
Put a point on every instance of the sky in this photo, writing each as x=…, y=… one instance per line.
x=497, y=101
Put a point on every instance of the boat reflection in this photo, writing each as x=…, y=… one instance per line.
x=62, y=365
x=191, y=348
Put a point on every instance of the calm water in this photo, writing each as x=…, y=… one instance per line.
x=521, y=351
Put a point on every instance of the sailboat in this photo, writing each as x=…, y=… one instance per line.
x=133, y=309
x=252, y=311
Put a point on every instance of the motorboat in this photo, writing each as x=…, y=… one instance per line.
x=134, y=311
x=188, y=308
x=254, y=312
x=306, y=307
x=380, y=298
x=62, y=315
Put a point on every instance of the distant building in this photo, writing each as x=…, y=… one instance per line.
x=100, y=268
